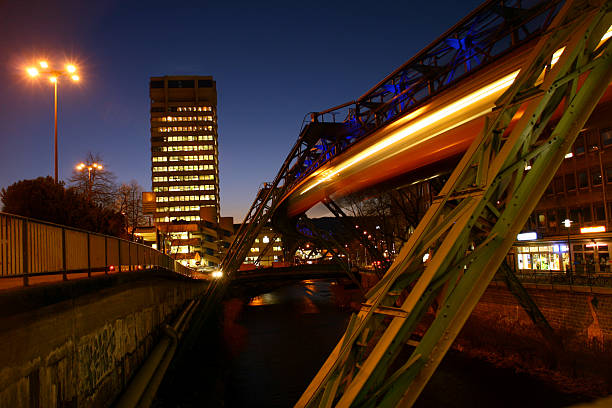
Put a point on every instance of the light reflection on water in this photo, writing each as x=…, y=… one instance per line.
x=266, y=299
x=308, y=293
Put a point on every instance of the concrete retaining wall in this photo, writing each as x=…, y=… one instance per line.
x=82, y=351
x=500, y=331
x=581, y=315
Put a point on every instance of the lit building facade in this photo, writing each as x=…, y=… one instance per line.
x=570, y=227
x=267, y=249
x=184, y=165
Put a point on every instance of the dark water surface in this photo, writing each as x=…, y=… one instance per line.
x=270, y=353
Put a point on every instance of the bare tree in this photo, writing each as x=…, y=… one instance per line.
x=92, y=179
x=392, y=215
x=129, y=203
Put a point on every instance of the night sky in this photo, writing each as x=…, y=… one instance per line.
x=273, y=63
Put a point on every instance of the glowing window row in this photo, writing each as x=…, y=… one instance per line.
x=194, y=177
x=185, y=128
x=183, y=198
x=180, y=118
x=179, y=208
x=189, y=138
x=276, y=248
x=194, y=109
x=183, y=158
x=181, y=188
x=185, y=218
x=186, y=148
x=265, y=240
x=254, y=258
x=184, y=168
x=192, y=158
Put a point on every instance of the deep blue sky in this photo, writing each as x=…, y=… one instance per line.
x=273, y=63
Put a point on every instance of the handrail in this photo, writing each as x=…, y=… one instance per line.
x=30, y=247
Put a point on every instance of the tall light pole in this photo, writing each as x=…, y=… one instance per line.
x=54, y=76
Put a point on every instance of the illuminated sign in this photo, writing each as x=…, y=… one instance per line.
x=527, y=236
x=586, y=230
x=596, y=244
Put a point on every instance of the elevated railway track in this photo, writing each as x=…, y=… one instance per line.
x=508, y=89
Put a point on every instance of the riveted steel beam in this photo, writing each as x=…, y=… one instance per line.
x=471, y=225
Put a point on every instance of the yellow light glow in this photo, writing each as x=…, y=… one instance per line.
x=463, y=103
x=596, y=244
x=587, y=230
x=607, y=35
x=53, y=79
x=75, y=77
x=32, y=71
x=71, y=68
x=43, y=64
x=556, y=56
x=217, y=274
x=497, y=86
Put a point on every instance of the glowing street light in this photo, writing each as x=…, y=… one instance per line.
x=54, y=76
x=93, y=167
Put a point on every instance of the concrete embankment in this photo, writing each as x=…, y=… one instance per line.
x=501, y=332
x=78, y=343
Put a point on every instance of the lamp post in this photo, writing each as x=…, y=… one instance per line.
x=54, y=76
x=567, y=223
x=93, y=167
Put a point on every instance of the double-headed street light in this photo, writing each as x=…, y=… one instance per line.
x=54, y=76
x=93, y=167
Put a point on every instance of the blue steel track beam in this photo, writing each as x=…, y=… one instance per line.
x=269, y=197
x=472, y=224
x=489, y=32
x=495, y=29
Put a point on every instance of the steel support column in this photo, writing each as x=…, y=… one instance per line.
x=472, y=224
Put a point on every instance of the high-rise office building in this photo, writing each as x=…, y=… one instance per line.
x=184, y=157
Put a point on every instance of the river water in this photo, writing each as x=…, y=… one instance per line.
x=270, y=348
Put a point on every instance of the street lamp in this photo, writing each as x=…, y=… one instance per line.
x=54, y=75
x=567, y=223
x=93, y=167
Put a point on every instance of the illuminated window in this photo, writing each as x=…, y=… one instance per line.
x=265, y=239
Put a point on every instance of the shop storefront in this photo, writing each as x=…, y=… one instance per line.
x=542, y=256
x=589, y=254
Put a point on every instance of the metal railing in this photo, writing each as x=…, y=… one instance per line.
x=30, y=247
x=562, y=278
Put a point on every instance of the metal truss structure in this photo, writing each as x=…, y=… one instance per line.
x=473, y=222
x=495, y=29
x=327, y=243
x=376, y=255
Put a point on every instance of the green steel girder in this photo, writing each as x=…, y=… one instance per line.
x=472, y=224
